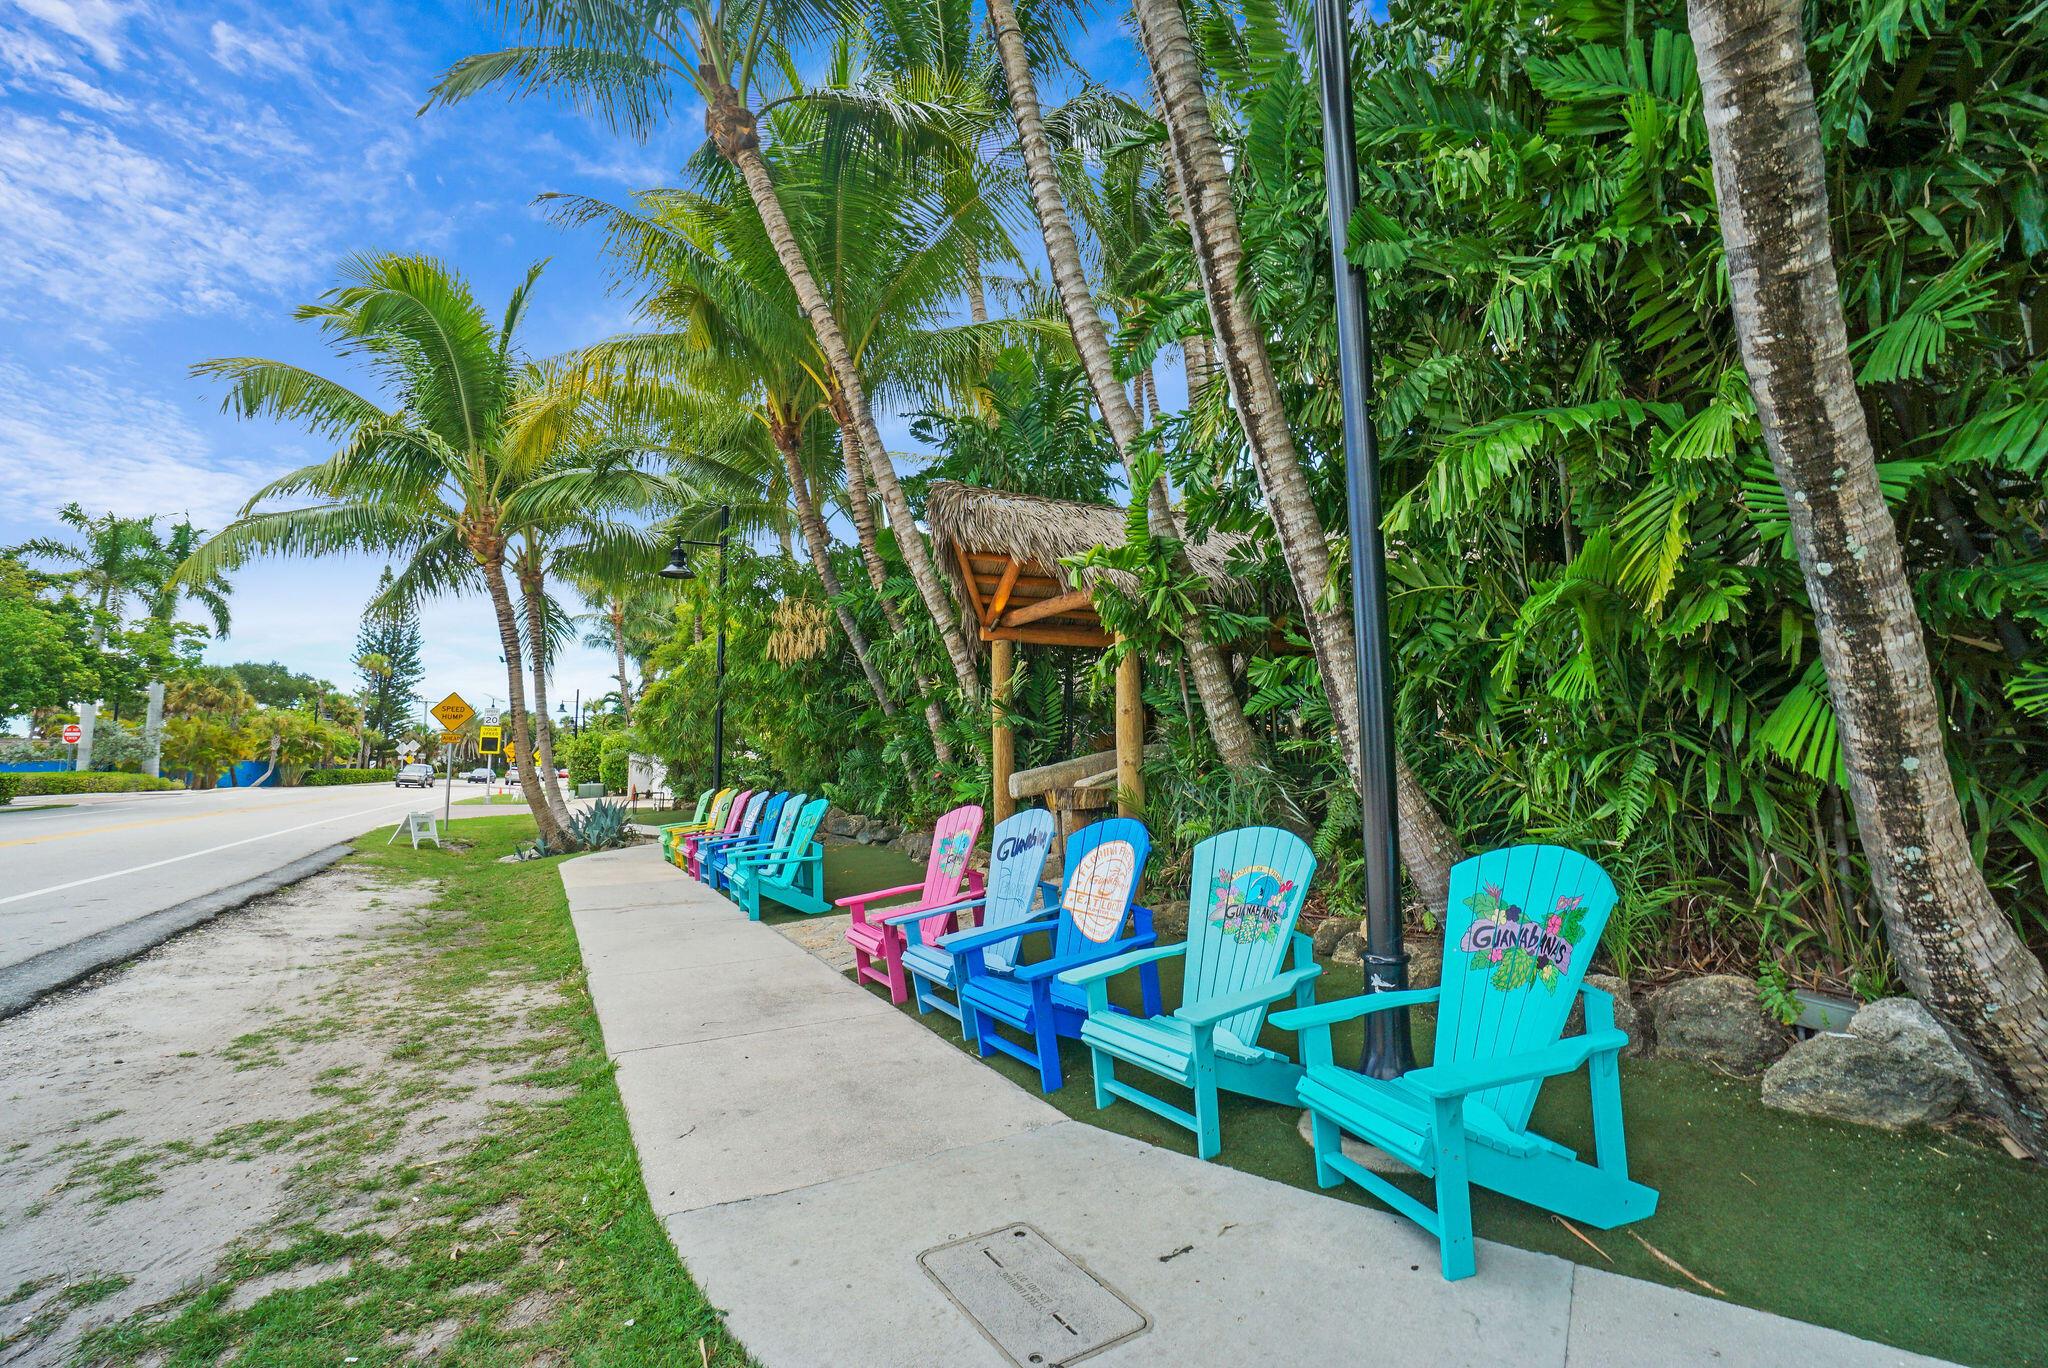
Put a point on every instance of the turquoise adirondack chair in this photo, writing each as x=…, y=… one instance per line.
x=710, y=815
x=1105, y=861
x=793, y=876
x=1521, y=927
x=1016, y=870
x=1246, y=891
x=759, y=827
x=770, y=838
x=746, y=816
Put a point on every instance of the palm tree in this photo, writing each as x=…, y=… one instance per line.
x=427, y=479
x=626, y=61
x=1956, y=948
x=211, y=593
x=1227, y=725
x=116, y=559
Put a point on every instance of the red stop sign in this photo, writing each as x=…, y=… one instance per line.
x=72, y=733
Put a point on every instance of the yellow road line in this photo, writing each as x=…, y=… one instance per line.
x=153, y=822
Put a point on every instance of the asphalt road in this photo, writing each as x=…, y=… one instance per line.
x=74, y=872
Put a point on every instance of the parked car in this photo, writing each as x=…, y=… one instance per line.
x=482, y=774
x=415, y=776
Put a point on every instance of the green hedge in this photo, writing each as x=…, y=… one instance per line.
x=90, y=781
x=611, y=765
x=10, y=784
x=320, y=778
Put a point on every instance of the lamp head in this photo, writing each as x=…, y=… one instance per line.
x=678, y=567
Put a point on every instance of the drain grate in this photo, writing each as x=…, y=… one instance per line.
x=1032, y=1302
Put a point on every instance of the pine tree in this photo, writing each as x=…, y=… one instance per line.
x=388, y=654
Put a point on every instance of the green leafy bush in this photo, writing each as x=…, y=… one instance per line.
x=90, y=781
x=600, y=826
x=10, y=784
x=325, y=777
x=583, y=755
x=611, y=765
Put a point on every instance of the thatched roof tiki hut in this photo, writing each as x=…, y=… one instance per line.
x=1003, y=553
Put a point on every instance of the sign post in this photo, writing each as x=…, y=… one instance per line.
x=451, y=712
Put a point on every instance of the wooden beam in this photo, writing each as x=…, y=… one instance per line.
x=1001, y=598
x=1078, y=772
x=1050, y=607
x=967, y=573
x=1130, y=735
x=1003, y=753
x=1049, y=636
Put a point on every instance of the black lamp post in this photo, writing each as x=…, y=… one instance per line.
x=1387, y=1053
x=678, y=568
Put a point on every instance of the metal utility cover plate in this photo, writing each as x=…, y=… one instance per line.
x=1033, y=1302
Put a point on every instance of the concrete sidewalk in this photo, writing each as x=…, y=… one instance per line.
x=805, y=1144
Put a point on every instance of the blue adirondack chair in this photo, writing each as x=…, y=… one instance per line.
x=1247, y=888
x=719, y=853
x=770, y=837
x=751, y=819
x=1104, y=863
x=1017, y=854
x=793, y=877
x=1521, y=927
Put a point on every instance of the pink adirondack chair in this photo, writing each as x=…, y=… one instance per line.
x=952, y=842
x=692, y=844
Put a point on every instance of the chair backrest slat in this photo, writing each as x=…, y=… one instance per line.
x=1520, y=930
x=1244, y=896
x=703, y=805
x=1017, y=852
x=946, y=868
x=798, y=843
x=792, y=808
x=1105, y=861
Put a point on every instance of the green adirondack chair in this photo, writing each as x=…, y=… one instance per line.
x=1247, y=889
x=793, y=875
x=1521, y=927
x=711, y=811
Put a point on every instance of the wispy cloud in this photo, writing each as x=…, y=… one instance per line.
x=95, y=24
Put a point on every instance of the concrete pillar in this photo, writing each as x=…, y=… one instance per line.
x=88, y=713
x=153, y=732
x=1003, y=749
x=1130, y=735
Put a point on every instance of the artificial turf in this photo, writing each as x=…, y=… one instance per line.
x=1931, y=1241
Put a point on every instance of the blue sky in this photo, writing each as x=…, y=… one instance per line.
x=175, y=177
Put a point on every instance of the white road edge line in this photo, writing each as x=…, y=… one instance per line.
x=195, y=854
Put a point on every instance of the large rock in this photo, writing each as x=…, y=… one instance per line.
x=1641, y=1037
x=1425, y=963
x=1908, y=1027
x=1170, y=920
x=841, y=823
x=1717, y=1020
x=1901, y=1074
x=1332, y=930
x=916, y=844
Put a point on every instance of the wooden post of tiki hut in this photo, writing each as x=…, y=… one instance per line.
x=1003, y=552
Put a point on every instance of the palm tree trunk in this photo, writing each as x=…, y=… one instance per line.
x=1204, y=183
x=819, y=543
x=1955, y=947
x=863, y=515
x=731, y=125
x=515, y=696
x=1235, y=742
x=533, y=590
x=617, y=608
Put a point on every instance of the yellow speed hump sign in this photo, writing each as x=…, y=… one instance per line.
x=452, y=712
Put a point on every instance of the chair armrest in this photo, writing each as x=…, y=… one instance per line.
x=878, y=894
x=1455, y=1080
x=920, y=913
x=1031, y=973
x=1110, y=968
x=1345, y=1009
x=960, y=942
x=1209, y=1011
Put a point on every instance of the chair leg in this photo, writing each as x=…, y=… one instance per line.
x=1105, y=1074
x=892, y=959
x=1208, y=1120
x=1453, y=1190
x=1050, y=1079
x=983, y=1030
x=1148, y=985
x=1329, y=1139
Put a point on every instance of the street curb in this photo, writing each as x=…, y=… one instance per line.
x=27, y=983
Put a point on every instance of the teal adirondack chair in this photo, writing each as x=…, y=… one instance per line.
x=772, y=841
x=1016, y=869
x=793, y=877
x=1247, y=890
x=1521, y=927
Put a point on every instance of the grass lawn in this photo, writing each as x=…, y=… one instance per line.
x=1928, y=1241
x=583, y=1273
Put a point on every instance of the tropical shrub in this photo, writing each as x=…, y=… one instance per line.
x=600, y=826
x=10, y=784
x=325, y=777
x=614, y=751
x=91, y=781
